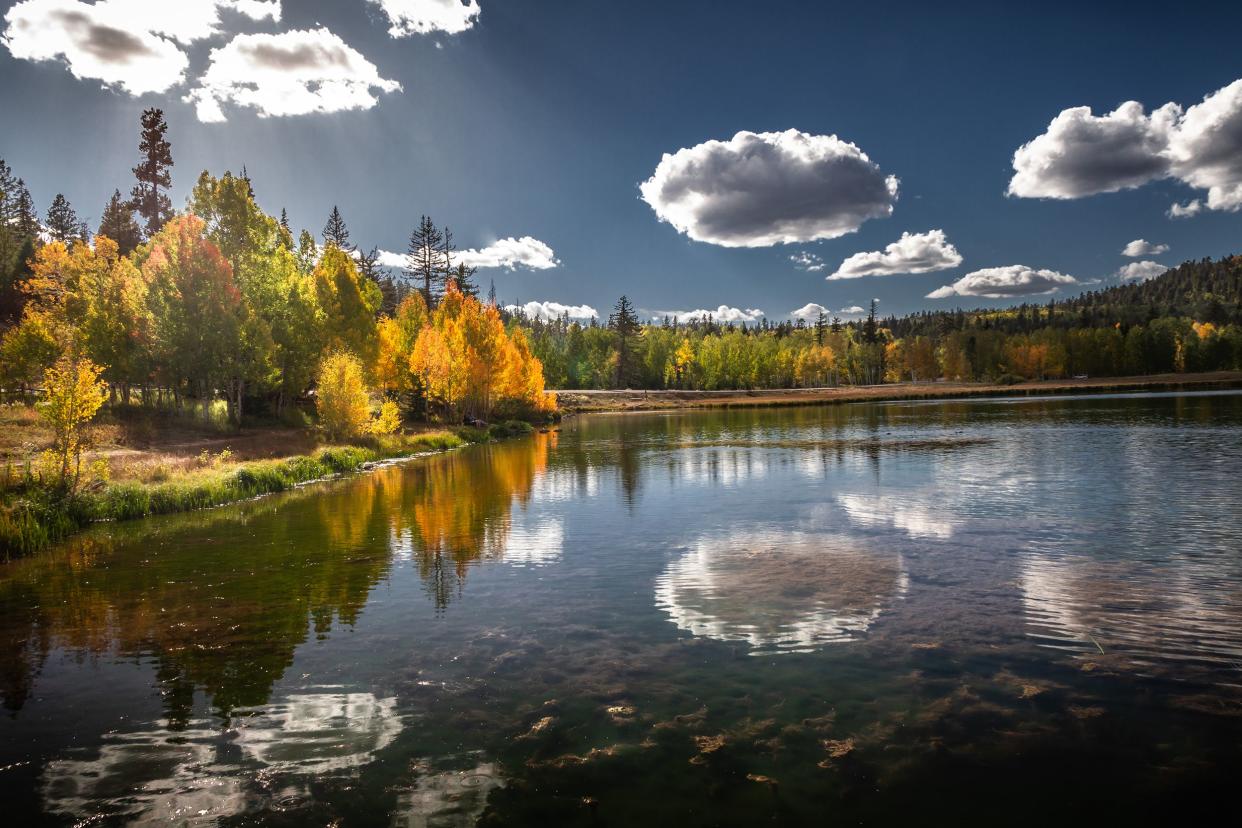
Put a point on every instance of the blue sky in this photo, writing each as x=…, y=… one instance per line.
x=519, y=118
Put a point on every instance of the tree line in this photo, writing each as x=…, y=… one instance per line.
x=1188, y=319
x=219, y=303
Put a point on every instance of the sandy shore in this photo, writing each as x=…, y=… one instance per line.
x=628, y=400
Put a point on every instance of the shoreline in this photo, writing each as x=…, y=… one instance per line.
x=592, y=402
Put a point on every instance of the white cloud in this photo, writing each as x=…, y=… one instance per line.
x=1005, y=283
x=425, y=16
x=1082, y=154
x=293, y=73
x=1140, y=271
x=723, y=315
x=853, y=309
x=912, y=253
x=1188, y=210
x=807, y=261
x=1142, y=247
x=128, y=44
x=809, y=312
x=549, y=311
x=508, y=253
x=511, y=253
x=761, y=189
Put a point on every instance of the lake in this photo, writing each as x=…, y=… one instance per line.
x=986, y=611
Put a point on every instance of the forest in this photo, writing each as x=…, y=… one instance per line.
x=1187, y=319
x=220, y=308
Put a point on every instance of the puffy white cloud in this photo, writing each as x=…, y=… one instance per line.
x=1140, y=271
x=1005, y=283
x=128, y=44
x=809, y=312
x=1142, y=247
x=761, y=189
x=852, y=309
x=1206, y=147
x=723, y=314
x=1081, y=154
x=549, y=311
x=807, y=261
x=511, y=253
x=425, y=16
x=1188, y=210
x=293, y=73
x=508, y=253
x=912, y=253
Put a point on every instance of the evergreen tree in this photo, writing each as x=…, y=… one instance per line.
x=624, y=323
x=424, y=259
x=119, y=225
x=335, y=232
x=821, y=327
x=150, y=197
x=491, y=294
x=462, y=277
x=835, y=327
x=62, y=221
x=871, y=331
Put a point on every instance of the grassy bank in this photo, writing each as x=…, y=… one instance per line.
x=602, y=401
x=34, y=515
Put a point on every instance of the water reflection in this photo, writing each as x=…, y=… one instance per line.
x=779, y=591
x=316, y=733
x=447, y=799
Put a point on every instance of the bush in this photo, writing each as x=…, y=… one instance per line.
x=341, y=396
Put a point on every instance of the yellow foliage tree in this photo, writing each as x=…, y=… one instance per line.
x=813, y=366
x=73, y=393
x=341, y=396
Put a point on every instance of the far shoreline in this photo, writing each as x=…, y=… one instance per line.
x=590, y=402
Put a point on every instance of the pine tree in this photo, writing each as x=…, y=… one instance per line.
x=461, y=278
x=26, y=218
x=424, y=259
x=62, y=221
x=150, y=199
x=871, y=331
x=624, y=322
x=491, y=294
x=335, y=232
x=821, y=327
x=284, y=221
x=119, y=225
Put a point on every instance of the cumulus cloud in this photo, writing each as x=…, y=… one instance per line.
x=1142, y=247
x=410, y=17
x=1082, y=154
x=809, y=312
x=1188, y=210
x=132, y=45
x=293, y=73
x=912, y=253
x=723, y=314
x=548, y=311
x=1140, y=271
x=761, y=189
x=807, y=261
x=511, y=253
x=1005, y=283
x=853, y=309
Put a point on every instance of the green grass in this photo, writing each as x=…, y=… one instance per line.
x=33, y=516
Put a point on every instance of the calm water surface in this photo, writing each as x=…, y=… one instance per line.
x=984, y=612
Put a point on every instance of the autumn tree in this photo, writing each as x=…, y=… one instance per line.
x=348, y=302
x=118, y=224
x=150, y=193
x=72, y=394
x=195, y=305
x=341, y=396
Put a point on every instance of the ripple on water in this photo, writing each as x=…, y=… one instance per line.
x=779, y=591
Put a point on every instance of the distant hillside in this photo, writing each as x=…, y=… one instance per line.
x=1206, y=290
